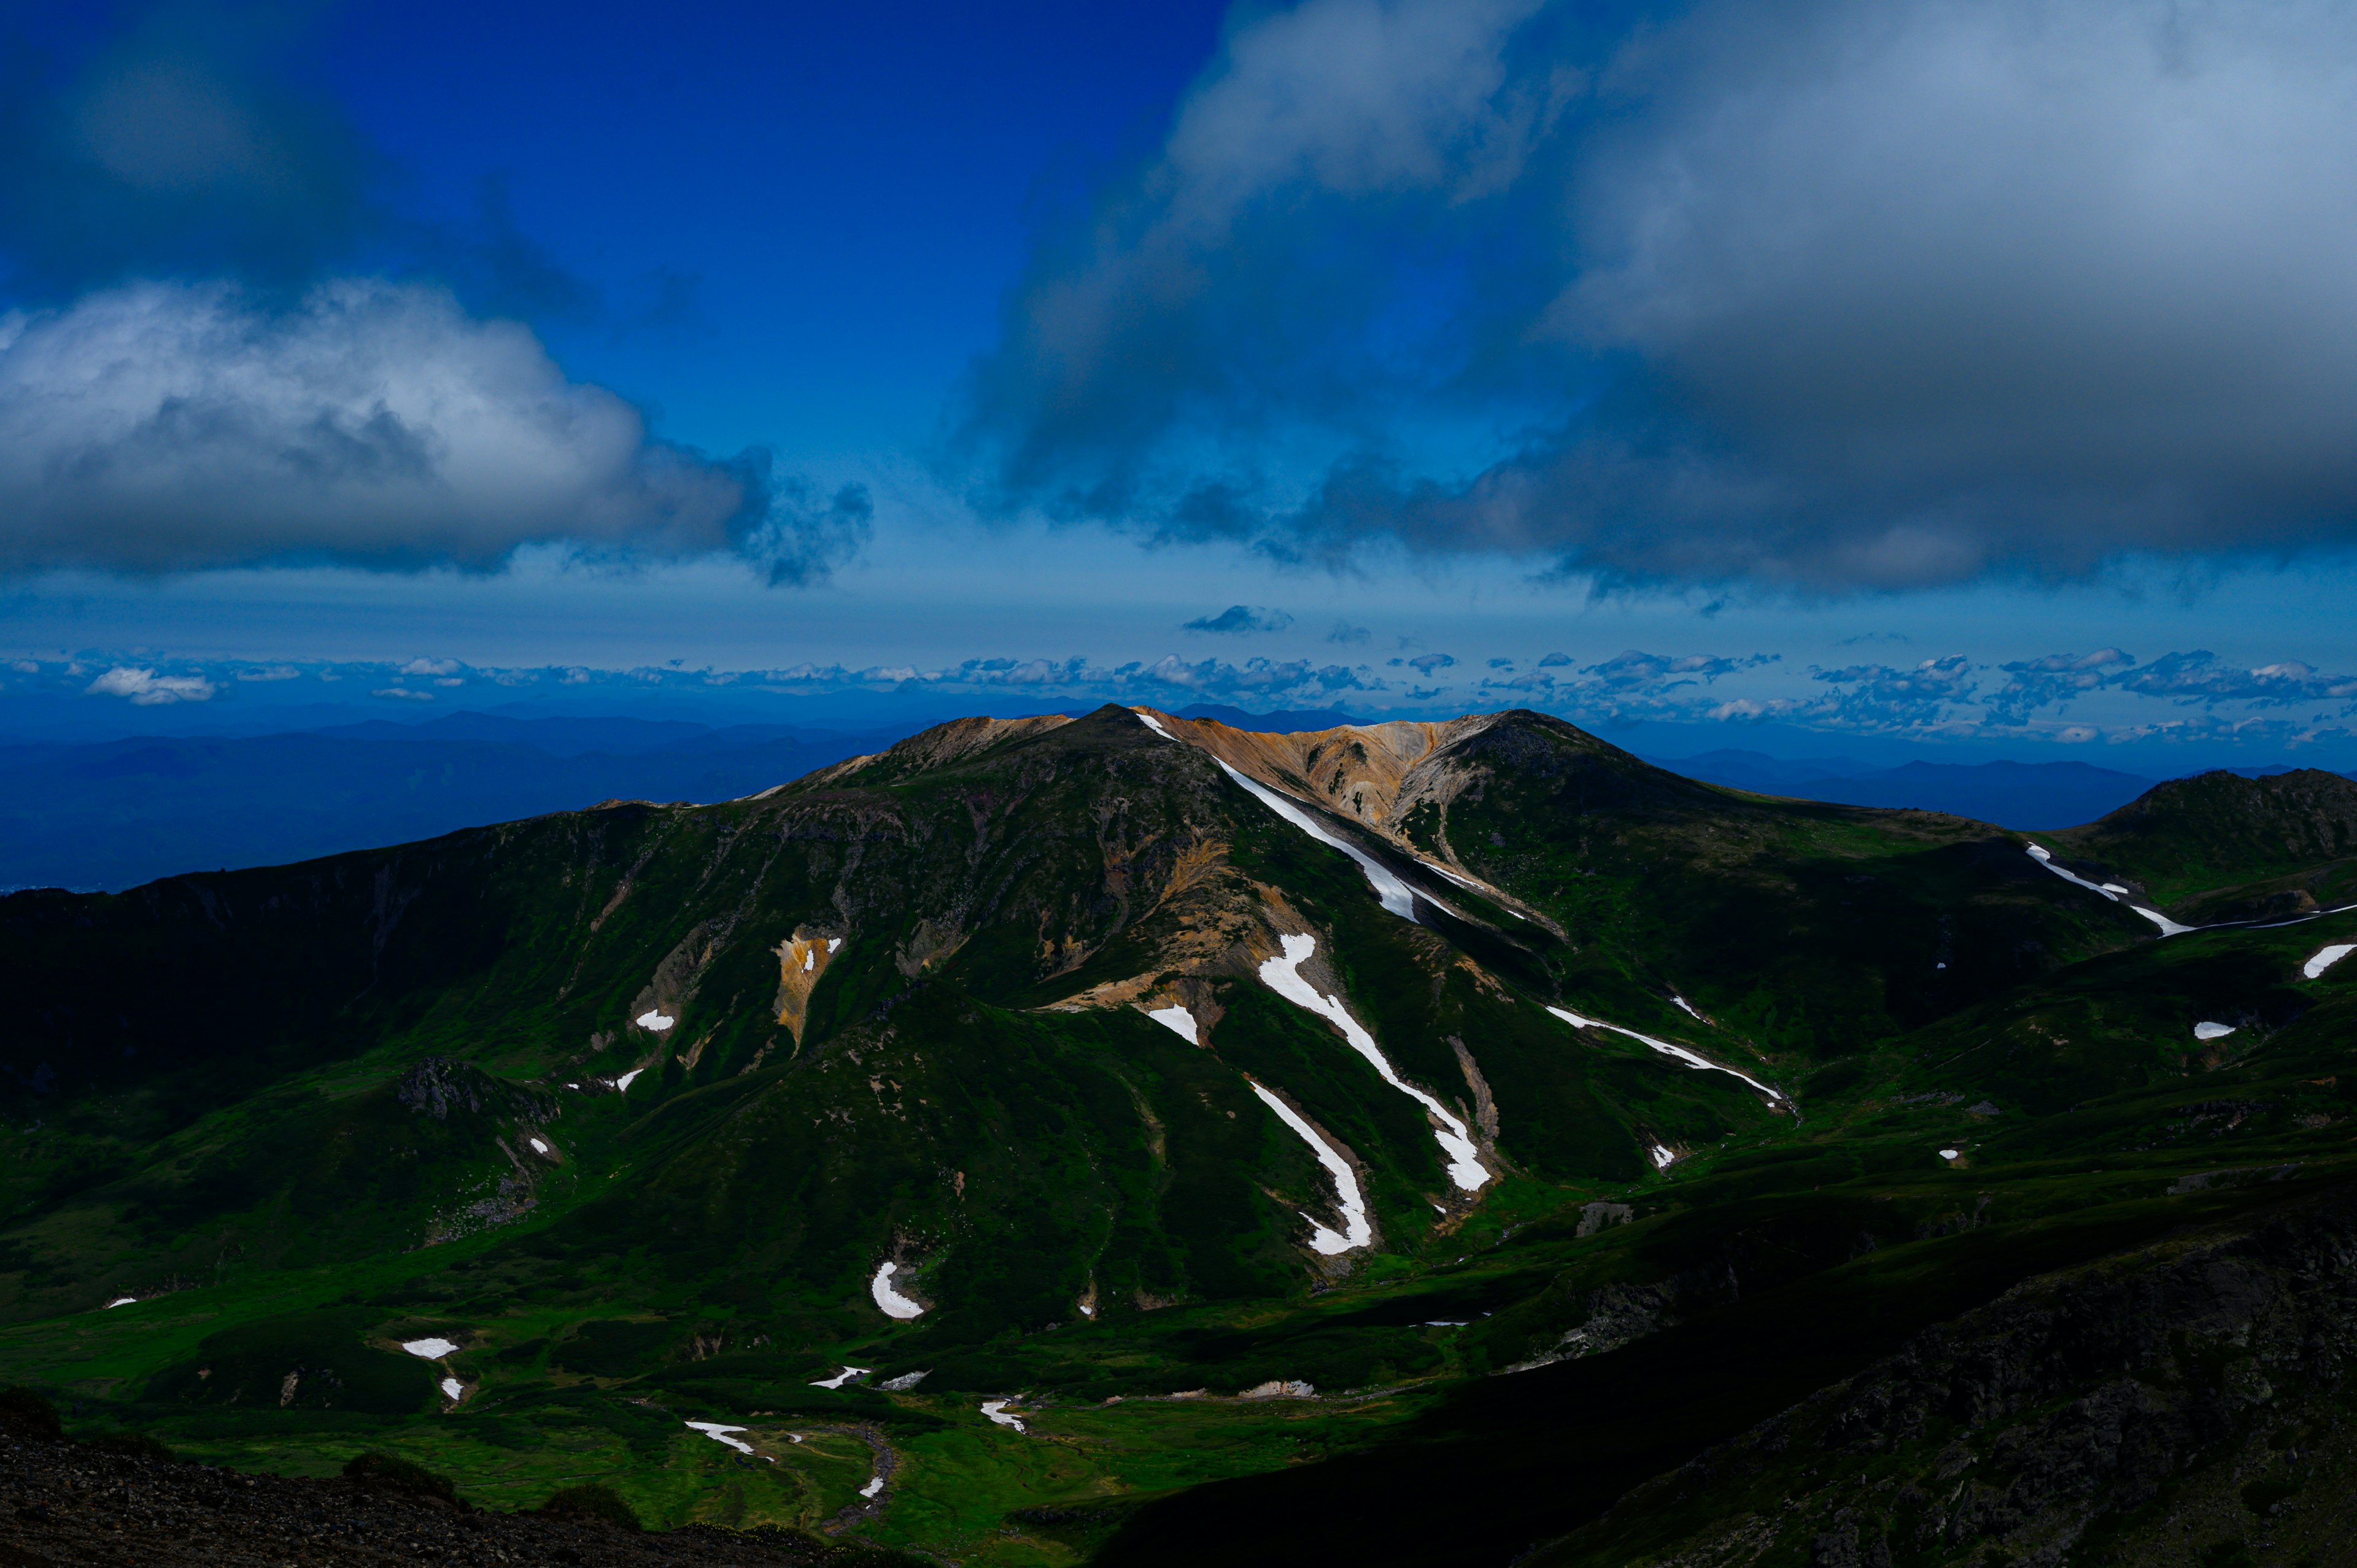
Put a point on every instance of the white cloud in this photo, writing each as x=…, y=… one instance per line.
x=149, y=690
x=164, y=427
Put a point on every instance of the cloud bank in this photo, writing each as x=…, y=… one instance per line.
x=229, y=348
x=1828, y=295
x=164, y=427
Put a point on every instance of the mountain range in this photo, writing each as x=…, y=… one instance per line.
x=1128, y=1138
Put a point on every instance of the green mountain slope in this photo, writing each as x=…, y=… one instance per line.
x=1294, y=1127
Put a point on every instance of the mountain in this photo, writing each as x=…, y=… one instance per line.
x=1128, y=1138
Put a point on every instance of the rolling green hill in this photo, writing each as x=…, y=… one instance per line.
x=1402, y=1143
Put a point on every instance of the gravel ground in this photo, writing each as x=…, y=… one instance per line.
x=66, y=1506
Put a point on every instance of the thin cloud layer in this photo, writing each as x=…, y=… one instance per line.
x=164, y=427
x=1831, y=295
x=1237, y=620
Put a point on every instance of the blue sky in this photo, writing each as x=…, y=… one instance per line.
x=1972, y=376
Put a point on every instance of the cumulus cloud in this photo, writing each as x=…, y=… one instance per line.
x=2056, y=679
x=1237, y=620
x=145, y=689
x=1844, y=294
x=165, y=427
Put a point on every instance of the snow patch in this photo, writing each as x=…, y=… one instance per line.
x=537, y=1146
x=720, y=1433
x=840, y=1378
x=905, y=1382
x=622, y=1084
x=1177, y=1020
x=1699, y=1063
x=1087, y=1311
x=1283, y=976
x=874, y=1486
x=656, y=1020
x=431, y=1349
x=1950, y=1154
x=1394, y=894
x=1150, y=722
x=810, y=960
x=2111, y=890
x=2209, y=1031
x=1690, y=1006
x=453, y=1390
x=997, y=1411
x=832, y=943
x=893, y=1303
x=2325, y=959
x=1356, y=1231
x=1662, y=1158
x=119, y=1301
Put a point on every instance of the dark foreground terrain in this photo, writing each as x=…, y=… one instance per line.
x=66, y=1503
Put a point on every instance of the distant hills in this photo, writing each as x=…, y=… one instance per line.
x=2030, y=796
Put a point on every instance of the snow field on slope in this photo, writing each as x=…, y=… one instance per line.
x=997, y=1411
x=1178, y=1020
x=1356, y=1231
x=892, y=1302
x=655, y=1020
x=840, y=1378
x=1699, y=1063
x=2206, y=1030
x=2325, y=959
x=1283, y=976
x=430, y=1350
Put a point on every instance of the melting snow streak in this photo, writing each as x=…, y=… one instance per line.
x=1699, y=1063
x=840, y=1378
x=1395, y=894
x=997, y=1411
x=1283, y=976
x=622, y=1084
x=2111, y=890
x=894, y=1304
x=719, y=1433
x=1356, y=1231
x=2325, y=959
